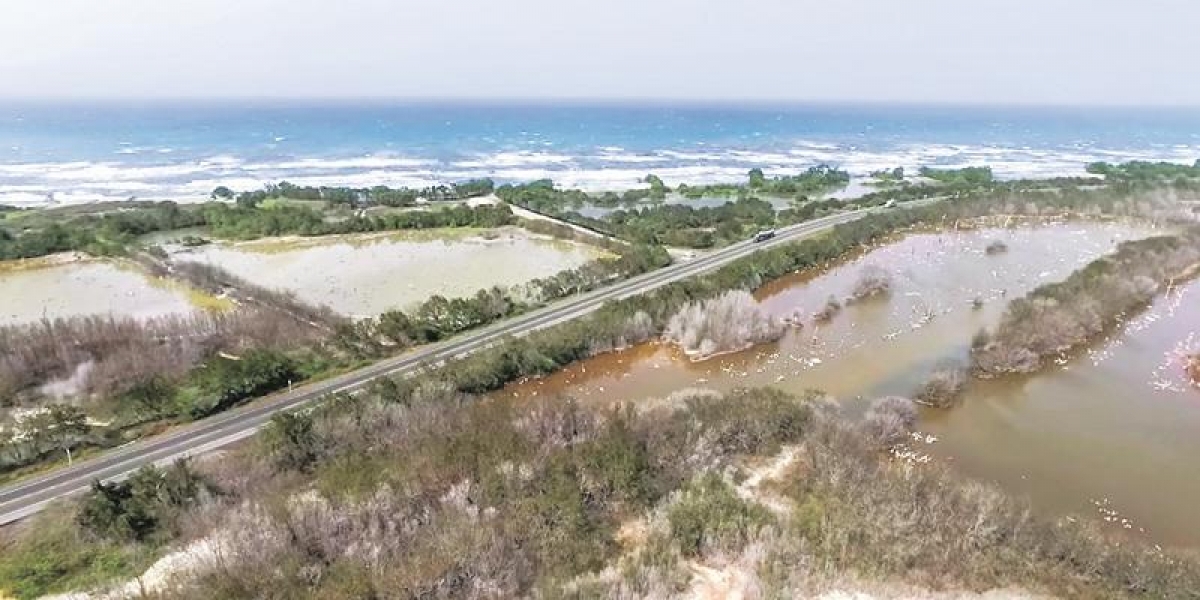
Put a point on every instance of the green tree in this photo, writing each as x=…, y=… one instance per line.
x=658, y=189
x=292, y=441
x=148, y=502
x=757, y=178
x=62, y=426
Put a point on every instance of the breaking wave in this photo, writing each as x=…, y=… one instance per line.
x=157, y=175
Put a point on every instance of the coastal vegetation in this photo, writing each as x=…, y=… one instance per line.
x=108, y=230
x=814, y=181
x=241, y=222
x=415, y=488
x=419, y=490
x=102, y=231
x=1146, y=172
x=966, y=176
x=355, y=197
x=888, y=178
x=1056, y=318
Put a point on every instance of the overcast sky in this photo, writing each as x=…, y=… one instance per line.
x=992, y=51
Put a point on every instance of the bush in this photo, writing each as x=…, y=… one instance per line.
x=709, y=516
x=226, y=381
x=830, y=310
x=873, y=281
x=142, y=506
x=889, y=420
x=730, y=322
x=945, y=385
x=292, y=442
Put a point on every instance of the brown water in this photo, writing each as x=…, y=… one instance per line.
x=83, y=288
x=365, y=275
x=1117, y=426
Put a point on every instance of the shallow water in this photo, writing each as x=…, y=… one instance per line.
x=85, y=288
x=1122, y=430
x=368, y=274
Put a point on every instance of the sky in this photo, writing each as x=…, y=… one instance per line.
x=960, y=51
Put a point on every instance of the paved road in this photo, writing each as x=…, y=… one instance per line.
x=28, y=496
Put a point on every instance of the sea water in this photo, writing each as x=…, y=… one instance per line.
x=54, y=152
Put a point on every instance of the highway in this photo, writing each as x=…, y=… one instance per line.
x=28, y=496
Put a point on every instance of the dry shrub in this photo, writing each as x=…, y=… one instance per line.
x=945, y=385
x=122, y=351
x=730, y=322
x=889, y=420
x=873, y=281
x=830, y=310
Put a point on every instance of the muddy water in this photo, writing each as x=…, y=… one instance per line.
x=1121, y=433
x=83, y=288
x=1114, y=433
x=368, y=274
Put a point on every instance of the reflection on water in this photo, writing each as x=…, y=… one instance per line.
x=1116, y=427
x=84, y=288
x=366, y=275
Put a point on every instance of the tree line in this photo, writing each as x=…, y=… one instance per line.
x=116, y=232
x=1146, y=172
x=240, y=222
x=381, y=195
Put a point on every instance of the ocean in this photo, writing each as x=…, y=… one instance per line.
x=84, y=152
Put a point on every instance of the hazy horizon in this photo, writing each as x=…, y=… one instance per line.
x=1026, y=53
x=585, y=102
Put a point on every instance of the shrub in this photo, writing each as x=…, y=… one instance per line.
x=226, y=381
x=995, y=247
x=889, y=420
x=873, y=281
x=945, y=385
x=292, y=442
x=732, y=321
x=144, y=505
x=830, y=310
x=709, y=516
